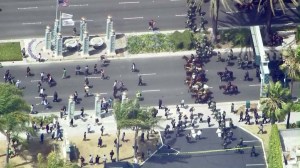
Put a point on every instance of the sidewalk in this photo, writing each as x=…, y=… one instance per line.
x=110, y=125
x=37, y=46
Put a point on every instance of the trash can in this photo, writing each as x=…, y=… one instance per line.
x=247, y=103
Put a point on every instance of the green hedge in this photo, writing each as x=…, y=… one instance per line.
x=10, y=51
x=158, y=42
x=47, y=119
x=298, y=34
x=275, y=153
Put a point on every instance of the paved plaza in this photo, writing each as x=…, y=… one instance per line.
x=207, y=152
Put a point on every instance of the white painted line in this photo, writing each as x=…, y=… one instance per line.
x=254, y=85
x=103, y=93
x=148, y=74
x=79, y=5
x=279, y=9
x=291, y=23
x=252, y=141
x=175, y=0
x=144, y=91
x=233, y=12
x=35, y=80
x=34, y=7
x=89, y=20
x=94, y=77
x=249, y=165
x=41, y=97
x=120, y=3
x=182, y=15
x=151, y=155
x=32, y=23
x=133, y=18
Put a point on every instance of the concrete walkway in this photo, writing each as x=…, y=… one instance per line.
x=110, y=125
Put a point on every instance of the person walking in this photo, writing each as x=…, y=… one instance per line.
x=159, y=104
x=102, y=130
x=208, y=121
x=253, y=153
x=199, y=133
x=42, y=138
x=261, y=129
x=104, y=159
x=100, y=141
x=232, y=107
x=42, y=76
x=64, y=74
x=123, y=137
x=84, y=136
x=140, y=81
x=241, y=117
x=95, y=69
x=111, y=155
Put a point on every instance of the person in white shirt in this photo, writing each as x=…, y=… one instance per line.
x=18, y=83
x=199, y=133
x=219, y=132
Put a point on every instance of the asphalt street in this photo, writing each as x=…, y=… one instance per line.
x=207, y=152
x=164, y=78
x=20, y=19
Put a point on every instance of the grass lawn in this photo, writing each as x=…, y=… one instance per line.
x=10, y=51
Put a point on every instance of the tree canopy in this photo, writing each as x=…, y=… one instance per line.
x=11, y=99
x=277, y=103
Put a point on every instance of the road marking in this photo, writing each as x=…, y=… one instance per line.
x=208, y=151
x=34, y=7
x=249, y=165
x=144, y=91
x=252, y=141
x=133, y=18
x=279, y=9
x=94, y=77
x=254, y=85
x=35, y=80
x=79, y=5
x=232, y=12
x=182, y=15
x=120, y=3
x=103, y=93
x=41, y=97
x=175, y=0
x=32, y=23
x=148, y=74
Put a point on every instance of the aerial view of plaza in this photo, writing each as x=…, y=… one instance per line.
x=149, y=83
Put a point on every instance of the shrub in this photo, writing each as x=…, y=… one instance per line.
x=298, y=124
x=158, y=42
x=182, y=41
x=298, y=34
x=275, y=153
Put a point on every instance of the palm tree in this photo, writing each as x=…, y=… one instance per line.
x=141, y=119
x=270, y=7
x=14, y=118
x=291, y=66
x=214, y=14
x=11, y=125
x=120, y=114
x=277, y=103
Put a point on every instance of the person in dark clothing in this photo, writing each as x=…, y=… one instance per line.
x=208, y=121
x=82, y=112
x=140, y=81
x=84, y=136
x=241, y=117
x=55, y=97
x=111, y=154
x=253, y=153
x=159, y=104
x=42, y=138
x=97, y=159
x=100, y=141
